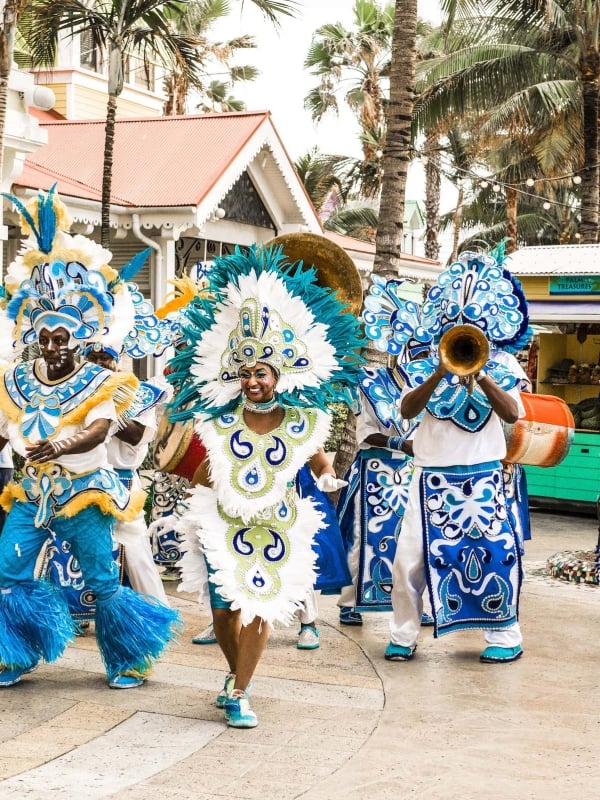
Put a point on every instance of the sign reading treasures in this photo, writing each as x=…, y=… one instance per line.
x=574, y=284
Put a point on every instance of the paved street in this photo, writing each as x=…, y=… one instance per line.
x=338, y=722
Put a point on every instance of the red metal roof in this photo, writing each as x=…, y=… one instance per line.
x=158, y=161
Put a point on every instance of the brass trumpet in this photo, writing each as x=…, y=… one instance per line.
x=464, y=350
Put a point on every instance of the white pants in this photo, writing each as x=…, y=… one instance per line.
x=347, y=596
x=310, y=610
x=409, y=582
x=141, y=569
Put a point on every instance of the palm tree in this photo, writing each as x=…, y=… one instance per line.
x=11, y=13
x=358, y=61
x=397, y=154
x=212, y=91
x=533, y=68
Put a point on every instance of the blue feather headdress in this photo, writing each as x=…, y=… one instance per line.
x=61, y=280
x=264, y=309
x=476, y=289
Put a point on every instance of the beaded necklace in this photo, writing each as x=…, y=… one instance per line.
x=260, y=408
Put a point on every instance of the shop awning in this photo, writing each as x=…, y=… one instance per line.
x=556, y=311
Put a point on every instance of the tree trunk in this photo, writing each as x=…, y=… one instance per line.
x=456, y=222
x=433, y=184
x=590, y=186
x=511, y=219
x=107, y=167
x=396, y=159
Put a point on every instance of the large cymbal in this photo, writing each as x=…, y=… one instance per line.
x=334, y=266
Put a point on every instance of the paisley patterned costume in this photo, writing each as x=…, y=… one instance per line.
x=371, y=507
x=253, y=527
x=457, y=537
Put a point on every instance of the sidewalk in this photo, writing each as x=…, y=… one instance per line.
x=338, y=722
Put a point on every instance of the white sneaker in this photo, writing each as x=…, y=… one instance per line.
x=308, y=638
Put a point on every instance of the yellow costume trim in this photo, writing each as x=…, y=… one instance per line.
x=10, y=493
x=185, y=290
x=63, y=218
x=14, y=491
x=105, y=503
x=119, y=387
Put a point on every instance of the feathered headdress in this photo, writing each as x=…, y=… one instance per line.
x=261, y=308
x=61, y=280
x=476, y=289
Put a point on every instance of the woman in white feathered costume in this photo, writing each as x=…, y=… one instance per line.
x=266, y=356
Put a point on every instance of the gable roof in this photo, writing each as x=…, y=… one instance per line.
x=165, y=162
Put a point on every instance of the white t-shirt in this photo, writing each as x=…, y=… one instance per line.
x=367, y=424
x=441, y=443
x=122, y=455
x=75, y=462
x=6, y=459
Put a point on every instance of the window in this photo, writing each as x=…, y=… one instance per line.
x=90, y=56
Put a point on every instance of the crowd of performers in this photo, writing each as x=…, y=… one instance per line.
x=257, y=359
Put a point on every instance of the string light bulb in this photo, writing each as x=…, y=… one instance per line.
x=529, y=181
x=484, y=184
x=496, y=187
x=577, y=179
x=578, y=235
x=546, y=205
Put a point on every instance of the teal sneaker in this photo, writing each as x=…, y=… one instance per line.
x=120, y=681
x=207, y=636
x=427, y=620
x=9, y=676
x=238, y=712
x=227, y=689
x=398, y=652
x=500, y=655
x=308, y=638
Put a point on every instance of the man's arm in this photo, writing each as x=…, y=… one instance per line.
x=81, y=442
x=132, y=433
x=414, y=402
x=503, y=404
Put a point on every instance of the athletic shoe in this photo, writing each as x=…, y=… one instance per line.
x=348, y=616
x=308, y=638
x=426, y=620
x=8, y=676
x=500, y=655
x=227, y=689
x=398, y=652
x=238, y=712
x=124, y=681
x=207, y=636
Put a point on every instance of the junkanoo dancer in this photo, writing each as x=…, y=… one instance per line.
x=371, y=507
x=57, y=414
x=265, y=357
x=457, y=539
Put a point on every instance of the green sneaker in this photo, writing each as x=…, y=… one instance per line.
x=238, y=712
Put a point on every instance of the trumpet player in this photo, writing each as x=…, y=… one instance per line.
x=457, y=539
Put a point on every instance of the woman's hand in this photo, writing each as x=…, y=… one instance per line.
x=327, y=482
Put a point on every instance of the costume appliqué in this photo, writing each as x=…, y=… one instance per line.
x=473, y=565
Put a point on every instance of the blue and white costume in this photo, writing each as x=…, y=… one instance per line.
x=371, y=507
x=61, y=283
x=457, y=537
